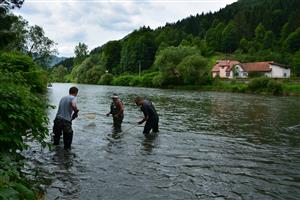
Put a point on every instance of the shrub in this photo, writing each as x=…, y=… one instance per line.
x=35, y=77
x=106, y=79
x=147, y=79
x=123, y=80
x=275, y=87
x=157, y=80
x=136, y=81
x=22, y=114
x=265, y=85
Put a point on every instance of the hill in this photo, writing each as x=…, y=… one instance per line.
x=247, y=30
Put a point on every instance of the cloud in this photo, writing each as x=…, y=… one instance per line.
x=96, y=22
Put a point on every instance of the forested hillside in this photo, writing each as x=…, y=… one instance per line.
x=247, y=30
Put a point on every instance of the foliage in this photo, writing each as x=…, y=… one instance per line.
x=22, y=113
x=31, y=40
x=29, y=70
x=6, y=35
x=292, y=43
x=12, y=184
x=106, y=79
x=81, y=52
x=147, y=79
x=11, y=4
x=167, y=61
x=39, y=46
x=158, y=80
x=295, y=60
x=265, y=85
x=193, y=69
x=138, y=51
x=123, y=80
x=58, y=74
x=111, y=54
x=89, y=71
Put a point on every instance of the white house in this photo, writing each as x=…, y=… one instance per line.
x=231, y=69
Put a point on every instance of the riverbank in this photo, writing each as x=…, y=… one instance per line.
x=287, y=88
x=262, y=85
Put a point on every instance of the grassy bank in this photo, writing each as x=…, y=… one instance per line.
x=260, y=85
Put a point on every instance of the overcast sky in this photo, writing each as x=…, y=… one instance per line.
x=96, y=22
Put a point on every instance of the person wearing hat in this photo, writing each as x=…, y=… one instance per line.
x=117, y=111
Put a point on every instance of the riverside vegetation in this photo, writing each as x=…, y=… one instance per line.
x=23, y=82
x=182, y=54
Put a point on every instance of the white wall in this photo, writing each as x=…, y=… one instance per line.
x=279, y=72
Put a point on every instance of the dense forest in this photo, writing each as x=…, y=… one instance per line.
x=24, y=53
x=183, y=53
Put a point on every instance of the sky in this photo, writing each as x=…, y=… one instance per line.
x=96, y=22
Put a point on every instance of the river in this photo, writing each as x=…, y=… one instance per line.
x=210, y=146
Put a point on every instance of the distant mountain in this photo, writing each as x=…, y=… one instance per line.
x=54, y=60
x=66, y=62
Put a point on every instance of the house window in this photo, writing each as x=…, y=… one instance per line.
x=284, y=75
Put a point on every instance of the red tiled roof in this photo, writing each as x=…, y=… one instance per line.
x=224, y=63
x=257, y=67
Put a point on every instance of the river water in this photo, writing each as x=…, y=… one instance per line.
x=210, y=146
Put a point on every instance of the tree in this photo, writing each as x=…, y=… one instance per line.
x=6, y=23
x=292, y=43
x=39, y=46
x=168, y=59
x=230, y=38
x=269, y=40
x=260, y=32
x=11, y=4
x=193, y=69
x=58, y=74
x=138, y=52
x=214, y=36
x=296, y=63
x=81, y=52
x=111, y=54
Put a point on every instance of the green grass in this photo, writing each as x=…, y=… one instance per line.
x=291, y=89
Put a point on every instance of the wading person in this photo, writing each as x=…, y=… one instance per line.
x=117, y=112
x=150, y=116
x=67, y=111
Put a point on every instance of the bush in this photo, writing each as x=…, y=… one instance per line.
x=136, y=81
x=12, y=184
x=265, y=85
x=157, y=80
x=147, y=79
x=275, y=87
x=123, y=80
x=106, y=79
x=22, y=114
x=34, y=76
